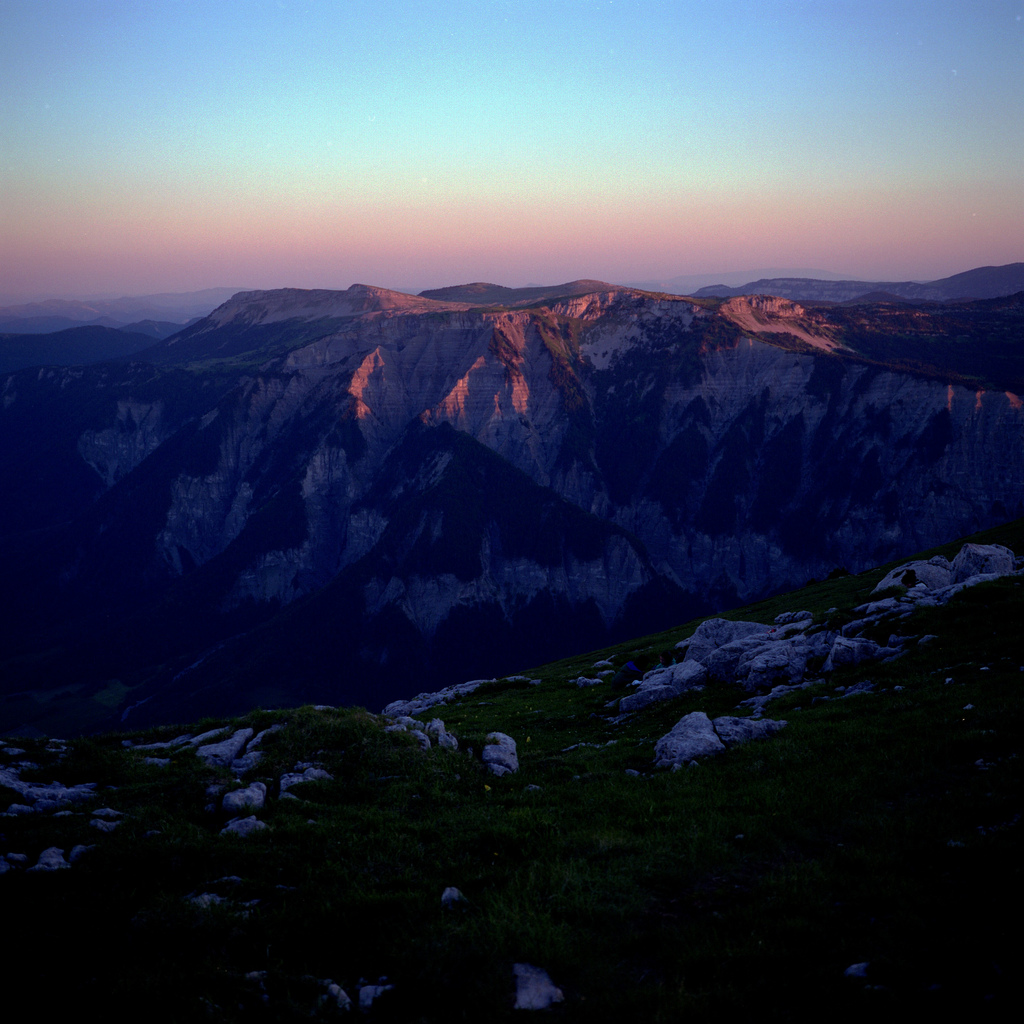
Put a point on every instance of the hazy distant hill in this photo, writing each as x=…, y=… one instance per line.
x=58, y=314
x=980, y=283
x=76, y=346
x=481, y=294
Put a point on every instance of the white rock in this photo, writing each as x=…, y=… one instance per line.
x=368, y=993
x=340, y=996
x=499, y=753
x=740, y=730
x=251, y=798
x=307, y=775
x=440, y=735
x=243, y=826
x=451, y=896
x=712, y=634
x=223, y=753
x=692, y=736
x=51, y=859
x=534, y=988
x=982, y=559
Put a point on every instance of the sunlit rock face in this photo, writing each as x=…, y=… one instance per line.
x=588, y=465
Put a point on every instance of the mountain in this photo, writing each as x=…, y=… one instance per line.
x=51, y=315
x=352, y=496
x=688, y=284
x=480, y=293
x=980, y=283
x=76, y=346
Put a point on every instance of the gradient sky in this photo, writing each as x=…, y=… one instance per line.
x=171, y=145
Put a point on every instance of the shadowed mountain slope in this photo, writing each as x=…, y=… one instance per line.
x=436, y=484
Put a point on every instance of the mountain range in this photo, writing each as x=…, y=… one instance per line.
x=351, y=496
x=980, y=283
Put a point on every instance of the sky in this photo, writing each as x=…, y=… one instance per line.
x=172, y=145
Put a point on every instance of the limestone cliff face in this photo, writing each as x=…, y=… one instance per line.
x=449, y=468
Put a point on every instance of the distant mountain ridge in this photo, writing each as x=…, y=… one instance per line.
x=980, y=283
x=481, y=293
x=51, y=315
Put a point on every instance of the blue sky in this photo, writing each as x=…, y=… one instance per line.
x=174, y=145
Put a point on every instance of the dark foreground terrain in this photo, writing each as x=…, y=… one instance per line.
x=863, y=863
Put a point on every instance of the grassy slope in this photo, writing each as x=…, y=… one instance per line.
x=882, y=828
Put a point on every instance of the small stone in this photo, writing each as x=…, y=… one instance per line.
x=857, y=970
x=339, y=995
x=243, y=826
x=252, y=798
x=368, y=993
x=51, y=859
x=104, y=826
x=499, y=754
x=451, y=896
x=107, y=813
x=534, y=988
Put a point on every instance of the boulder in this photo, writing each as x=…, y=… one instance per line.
x=221, y=754
x=854, y=650
x=310, y=774
x=243, y=826
x=982, y=560
x=534, y=988
x=251, y=798
x=440, y=735
x=712, y=634
x=741, y=730
x=51, y=859
x=933, y=574
x=664, y=684
x=452, y=896
x=692, y=736
x=788, y=618
x=773, y=663
x=499, y=754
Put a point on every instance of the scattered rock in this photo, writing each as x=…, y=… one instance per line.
x=452, y=896
x=251, y=798
x=424, y=701
x=243, y=826
x=499, y=754
x=695, y=735
x=692, y=736
x=440, y=735
x=221, y=754
x=51, y=859
x=368, y=993
x=308, y=774
x=534, y=988
x=982, y=559
x=338, y=996
x=741, y=730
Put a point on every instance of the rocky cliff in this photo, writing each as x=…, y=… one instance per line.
x=408, y=482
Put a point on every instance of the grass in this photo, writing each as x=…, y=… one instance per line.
x=882, y=828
